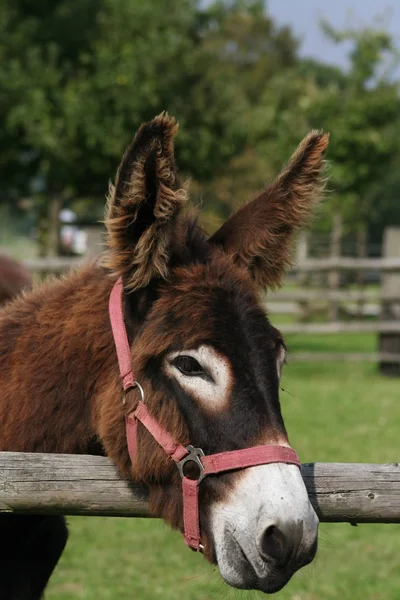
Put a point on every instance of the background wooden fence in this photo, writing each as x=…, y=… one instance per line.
x=90, y=485
x=341, y=298
x=299, y=300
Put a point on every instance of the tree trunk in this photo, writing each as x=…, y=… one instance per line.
x=53, y=226
x=389, y=343
x=361, y=248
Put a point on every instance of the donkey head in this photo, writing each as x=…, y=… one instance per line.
x=206, y=355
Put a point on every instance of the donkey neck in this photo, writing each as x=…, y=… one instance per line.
x=60, y=334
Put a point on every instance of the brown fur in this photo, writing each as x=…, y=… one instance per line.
x=55, y=351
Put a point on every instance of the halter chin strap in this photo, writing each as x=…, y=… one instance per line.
x=181, y=455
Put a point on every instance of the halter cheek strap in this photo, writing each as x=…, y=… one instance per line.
x=120, y=337
x=181, y=455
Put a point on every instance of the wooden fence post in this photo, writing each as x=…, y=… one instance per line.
x=361, y=244
x=334, y=275
x=389, y=342
x=303, y=278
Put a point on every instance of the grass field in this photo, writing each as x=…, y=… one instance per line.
x=334, y=412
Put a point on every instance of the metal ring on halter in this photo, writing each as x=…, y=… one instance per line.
x=194, y=456
x=136, y=384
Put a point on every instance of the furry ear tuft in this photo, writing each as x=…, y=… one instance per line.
x=259, y=236
x=144, y=205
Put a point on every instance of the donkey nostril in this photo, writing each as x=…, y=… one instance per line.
x=274, y=546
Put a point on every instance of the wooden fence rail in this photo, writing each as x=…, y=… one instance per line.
x=341, y=327
x=298, y=301
x=319, y=295
x=56, y=264
x=322, y=356
x=90, y=485
x=321, y=265
x=347, y=264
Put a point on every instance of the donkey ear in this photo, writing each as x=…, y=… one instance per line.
x=259, y=236
x=143, y=206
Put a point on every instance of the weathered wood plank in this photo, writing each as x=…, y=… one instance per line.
x=90, y=485
x=343, y=357
x=355, y=493
x=67, y=484
x=348, y=264
x=58, y=264
x=342, y=327
x=324, y=295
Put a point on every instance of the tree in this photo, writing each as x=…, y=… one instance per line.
x=361, y=110
x=257, y=61
x=39, y=59
x=77, y=79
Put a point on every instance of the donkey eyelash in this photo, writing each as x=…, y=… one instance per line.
x=190, y=367
x=187, y=364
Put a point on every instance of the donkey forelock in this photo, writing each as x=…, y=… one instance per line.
x=202, y=349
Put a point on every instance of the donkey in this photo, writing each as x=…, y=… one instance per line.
x=186, y=318
x=13, y=278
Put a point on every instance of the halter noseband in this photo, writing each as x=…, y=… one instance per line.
x=207, y=465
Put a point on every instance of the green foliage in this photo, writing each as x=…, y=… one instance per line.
x=78, y=78
x=362, y=113
x=74, y=101
x=257, y=61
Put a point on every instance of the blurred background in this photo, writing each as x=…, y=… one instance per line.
x=246, y=79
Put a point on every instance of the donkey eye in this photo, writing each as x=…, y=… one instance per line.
x=188, y=366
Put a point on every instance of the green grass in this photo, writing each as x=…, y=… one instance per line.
x=333, y=342
x=334, y=412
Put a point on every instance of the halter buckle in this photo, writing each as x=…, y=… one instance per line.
x=194, y=455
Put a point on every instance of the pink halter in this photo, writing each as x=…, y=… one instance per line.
x=207, y=465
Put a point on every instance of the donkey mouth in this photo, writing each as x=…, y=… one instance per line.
x=243, y=567
x=244, y=573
